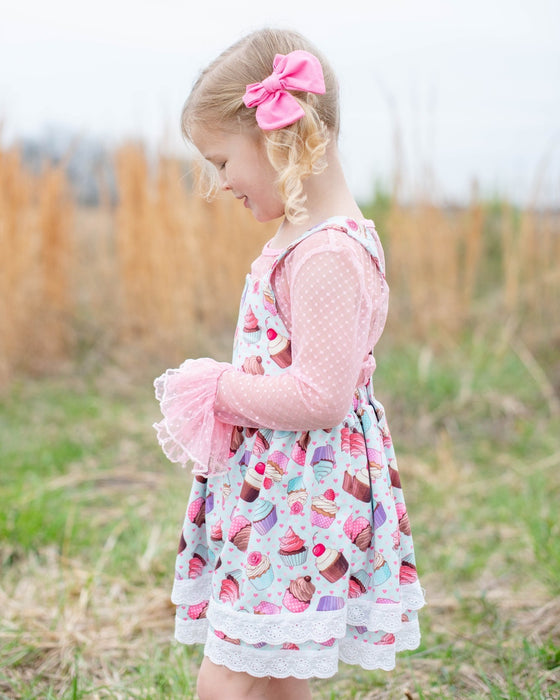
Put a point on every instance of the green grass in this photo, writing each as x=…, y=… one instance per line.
x=90, y=511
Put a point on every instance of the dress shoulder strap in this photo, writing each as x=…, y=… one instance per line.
x=362, y=231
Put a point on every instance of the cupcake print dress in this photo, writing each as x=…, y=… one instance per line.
x=296, y=549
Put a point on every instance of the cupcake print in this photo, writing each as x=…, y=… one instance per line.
x=262, y=443
x=323, y=509
x=264, y=517
x=198, y=561
x=407, y=572
x=252, y=483
x=196, y=511
x=276, y=466
x=198, y=611
x=297, y=495
x=330, y=563
x=267, y=608
x=253, y=365
x=229, y=588
x=269, y=301
x=279, y=348
x=358, y=584
x=375, y=463
x=292, y=549
x=359, y=532
x=328, y=603
x=298, y=594
x=402, y=515
x=240, y=532
x=259, y=571
x=357, y=443
x=322, y=462
x=361, y=485
x=381, y=570
x=345, y=438
x=216, y=534
x=251, y=329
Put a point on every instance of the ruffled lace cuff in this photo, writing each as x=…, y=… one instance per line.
x=190, y=430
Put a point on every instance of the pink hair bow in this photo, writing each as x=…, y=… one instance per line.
x=276, y=108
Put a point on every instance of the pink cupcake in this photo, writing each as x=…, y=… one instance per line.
x=276, y=467
x=261, y=443
x=198, y=611
x=323, y=509
x=253, y=365
x=345, y=438
x=240, y=532
x=198, y=561
x=357, y=443
x=375, y=463
x=298, y=594
x=292, y=549
x=216, y=534
x=269, y=301
x=229, y=589
x=298, y=454
x=359, y=532
x=402, y=515
x=196, y=511
x=407, y=572
x=251, y=329
x=266, y=608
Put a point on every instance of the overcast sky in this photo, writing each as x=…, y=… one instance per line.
x=473, y=88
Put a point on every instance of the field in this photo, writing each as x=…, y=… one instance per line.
x=95, y=303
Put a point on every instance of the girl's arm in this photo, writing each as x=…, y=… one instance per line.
x=334, y=291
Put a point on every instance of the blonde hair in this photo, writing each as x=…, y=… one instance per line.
x=295, y=151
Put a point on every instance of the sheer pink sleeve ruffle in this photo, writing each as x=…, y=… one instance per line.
x=190, y=431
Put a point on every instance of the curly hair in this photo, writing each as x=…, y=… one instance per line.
x=295, y=151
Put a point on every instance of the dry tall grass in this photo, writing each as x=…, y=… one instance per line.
x=37, y=244
x=165, y=268
x=181, y=260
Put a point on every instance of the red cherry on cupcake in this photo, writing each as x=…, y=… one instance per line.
x=319, y=549
x=260, y=468
x=329, y=495
x=271, y=334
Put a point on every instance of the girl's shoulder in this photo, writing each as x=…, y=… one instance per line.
x=339, y=235
x=338, y=243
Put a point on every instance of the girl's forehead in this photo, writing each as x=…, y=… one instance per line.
x=210, y=140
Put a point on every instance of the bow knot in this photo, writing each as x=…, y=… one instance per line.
x=272, y=83
x=276, y=107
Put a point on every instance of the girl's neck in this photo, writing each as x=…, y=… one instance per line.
x=328, y=195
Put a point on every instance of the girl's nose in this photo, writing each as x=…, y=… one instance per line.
x=224, y=184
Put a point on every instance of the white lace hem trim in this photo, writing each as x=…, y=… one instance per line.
x=297, y=627
x=308, y=663
x=192, y=591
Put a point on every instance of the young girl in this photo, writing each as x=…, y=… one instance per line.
x=296, y=549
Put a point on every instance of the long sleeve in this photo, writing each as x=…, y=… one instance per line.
x=334, y=293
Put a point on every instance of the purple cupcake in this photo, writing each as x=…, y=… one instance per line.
x=330, y=602
x=264, y=516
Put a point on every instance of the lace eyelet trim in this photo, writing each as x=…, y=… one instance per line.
x=322, y=663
